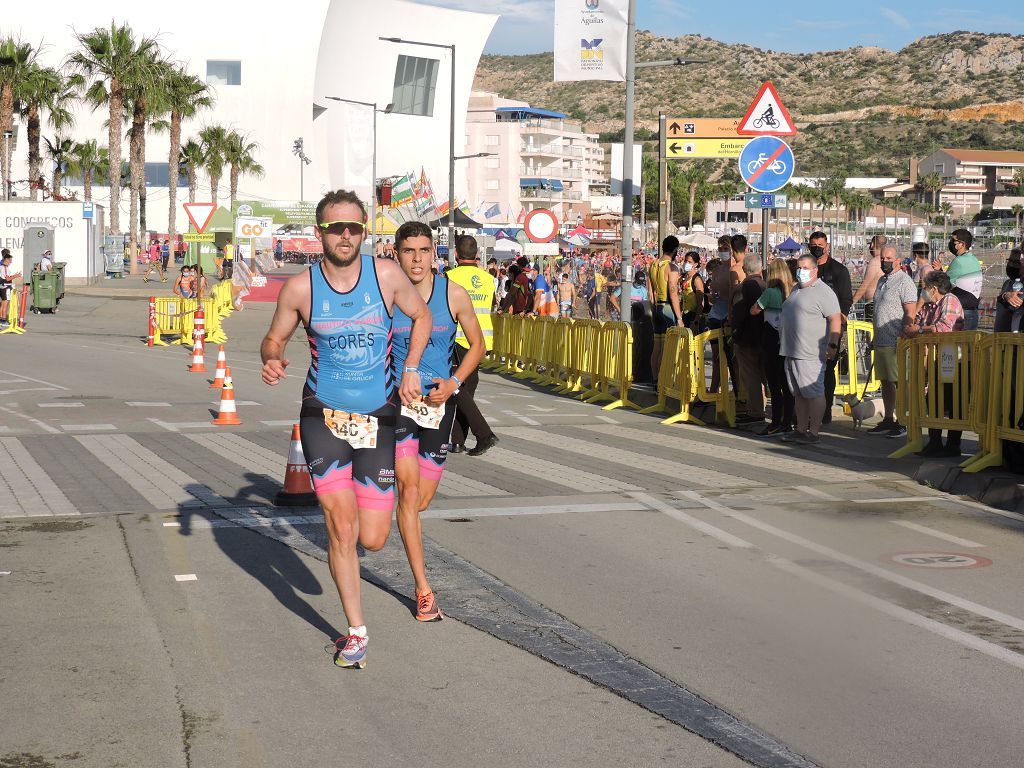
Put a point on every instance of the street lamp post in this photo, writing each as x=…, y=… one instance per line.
x=373, y=173
x=300, y=153
x=451, y=142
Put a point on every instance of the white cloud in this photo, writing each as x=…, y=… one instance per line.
x=894, y=17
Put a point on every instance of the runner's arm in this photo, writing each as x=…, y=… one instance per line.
x=408, y=299
x=285, y=321
x=462, y=310
x=673, y=296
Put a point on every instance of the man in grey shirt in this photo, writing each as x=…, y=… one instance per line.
x=811, y=323
x=895, y=305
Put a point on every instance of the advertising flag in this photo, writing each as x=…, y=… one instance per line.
x=590, y=40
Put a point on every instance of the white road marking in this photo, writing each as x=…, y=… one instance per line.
x=237, y=402
x=157, y=480
x=244, y=453
x=788, y=464
x=555, y=509
x=481, y=400
x=88, y=427
x=529, y=421
x=280, y=423
x=935, y=627
x=706, y=528
x=148, y=405
x=454, y=484
x=12, y=381
x=863, y=565
x=172, y=525
x=174, y=426
x=893, y=500
x=568, y=476
x=810, y=491
x=538, y=408
x=937, y=534
x=41, y=424
x=27, y=389
x=29, y=378
x=61, y=405
x=606, y=419
x=706, y=478
x=186, y=577
x=31, y=487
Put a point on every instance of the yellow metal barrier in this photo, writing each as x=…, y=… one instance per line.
x=582, y=349
x=676, y=378
x=517, y=331
x=176, y=316
x=863, y=331
x=1000, y=415
x=614, y=366
x=724, y=399
x=938, y=382
x=221, y=296
x=493, y=359
x=540, y=342
x=556, y=358
x=14, y=313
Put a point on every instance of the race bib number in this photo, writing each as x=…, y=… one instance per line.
x=423, y=413
x=355, y=429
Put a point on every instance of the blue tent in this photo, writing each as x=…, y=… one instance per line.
x=789, y=244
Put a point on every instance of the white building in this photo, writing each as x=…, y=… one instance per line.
x=271, y=70
x=541, y=159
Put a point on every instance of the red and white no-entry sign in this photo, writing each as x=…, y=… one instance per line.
x=541, y=225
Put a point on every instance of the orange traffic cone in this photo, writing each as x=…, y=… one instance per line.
x=222, y=367
x=298, y=486
x=227, y=416
x=197, y=356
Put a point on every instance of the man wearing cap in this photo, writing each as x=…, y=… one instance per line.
x=480, y=286
x=895, y=305
x=45, y=262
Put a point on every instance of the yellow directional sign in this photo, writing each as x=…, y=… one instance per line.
x=701, y=128
x=197, y=237
x=685, y=148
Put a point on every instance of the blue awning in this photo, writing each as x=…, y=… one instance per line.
x=556, y=185
x=524, y=113
x=529, y=182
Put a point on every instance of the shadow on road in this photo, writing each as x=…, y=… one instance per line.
x=275, y=565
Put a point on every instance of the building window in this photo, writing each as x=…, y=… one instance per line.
x=493, y=140
x=156, y=176
x=492, y=185
x=415, y=83
x=224, y=72
x=940, y=168
x=494, y=162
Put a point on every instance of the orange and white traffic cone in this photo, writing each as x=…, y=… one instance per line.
x=298, y=485
x=222, y=368
x=227, y=416
x=197, y=367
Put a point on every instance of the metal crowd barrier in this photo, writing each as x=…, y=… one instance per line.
x=676, y=379
x=175, y=316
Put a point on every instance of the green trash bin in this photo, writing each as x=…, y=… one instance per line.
x=44, y=291
x=58, y=267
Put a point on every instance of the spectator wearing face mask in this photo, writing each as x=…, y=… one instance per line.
x=895, y=305
x=694, y=292
x=837, y=277
x=942, y=313
x=1010, y=304
x=720, y=277
x=966, y=276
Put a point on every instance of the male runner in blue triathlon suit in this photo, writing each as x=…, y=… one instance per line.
x=348, y=411
x=423, y=432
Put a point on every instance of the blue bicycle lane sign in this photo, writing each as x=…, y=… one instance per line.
x=766, y=164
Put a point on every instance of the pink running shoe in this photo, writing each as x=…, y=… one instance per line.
x=351, y=651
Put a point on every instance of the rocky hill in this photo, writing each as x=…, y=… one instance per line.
x=861, y=111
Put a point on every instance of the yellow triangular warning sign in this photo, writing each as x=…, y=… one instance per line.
x=767, y=116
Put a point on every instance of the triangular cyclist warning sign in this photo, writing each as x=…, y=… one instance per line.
x=200, y=214
x=767, y=116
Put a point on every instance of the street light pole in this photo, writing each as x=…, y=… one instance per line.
x=626, y=267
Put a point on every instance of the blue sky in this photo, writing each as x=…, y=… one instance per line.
x=798, y=26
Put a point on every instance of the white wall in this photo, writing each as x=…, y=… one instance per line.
x=72, y=242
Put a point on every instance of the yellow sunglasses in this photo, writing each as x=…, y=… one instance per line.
x=341, y=226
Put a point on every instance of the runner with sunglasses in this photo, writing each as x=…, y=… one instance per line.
x=424, y=432
x=346, y=303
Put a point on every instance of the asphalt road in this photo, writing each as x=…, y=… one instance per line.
x=823, y=603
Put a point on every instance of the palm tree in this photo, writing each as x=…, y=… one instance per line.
x=1017, y=211
x=946, y=209
x=16, y=59
x=113, y=59
x=44, y=88
x=59, y=153
x=86, y=160
x=214, y=140
x=191, y=159
x=691, y=176
x=238, y=155
x=931, y=182
x=184, y=96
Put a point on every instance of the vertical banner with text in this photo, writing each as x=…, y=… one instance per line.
x=590, y=39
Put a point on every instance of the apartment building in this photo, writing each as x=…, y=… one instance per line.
x=973, y=177
x=537, y=159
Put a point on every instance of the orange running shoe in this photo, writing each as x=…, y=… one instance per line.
x=427, y=608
